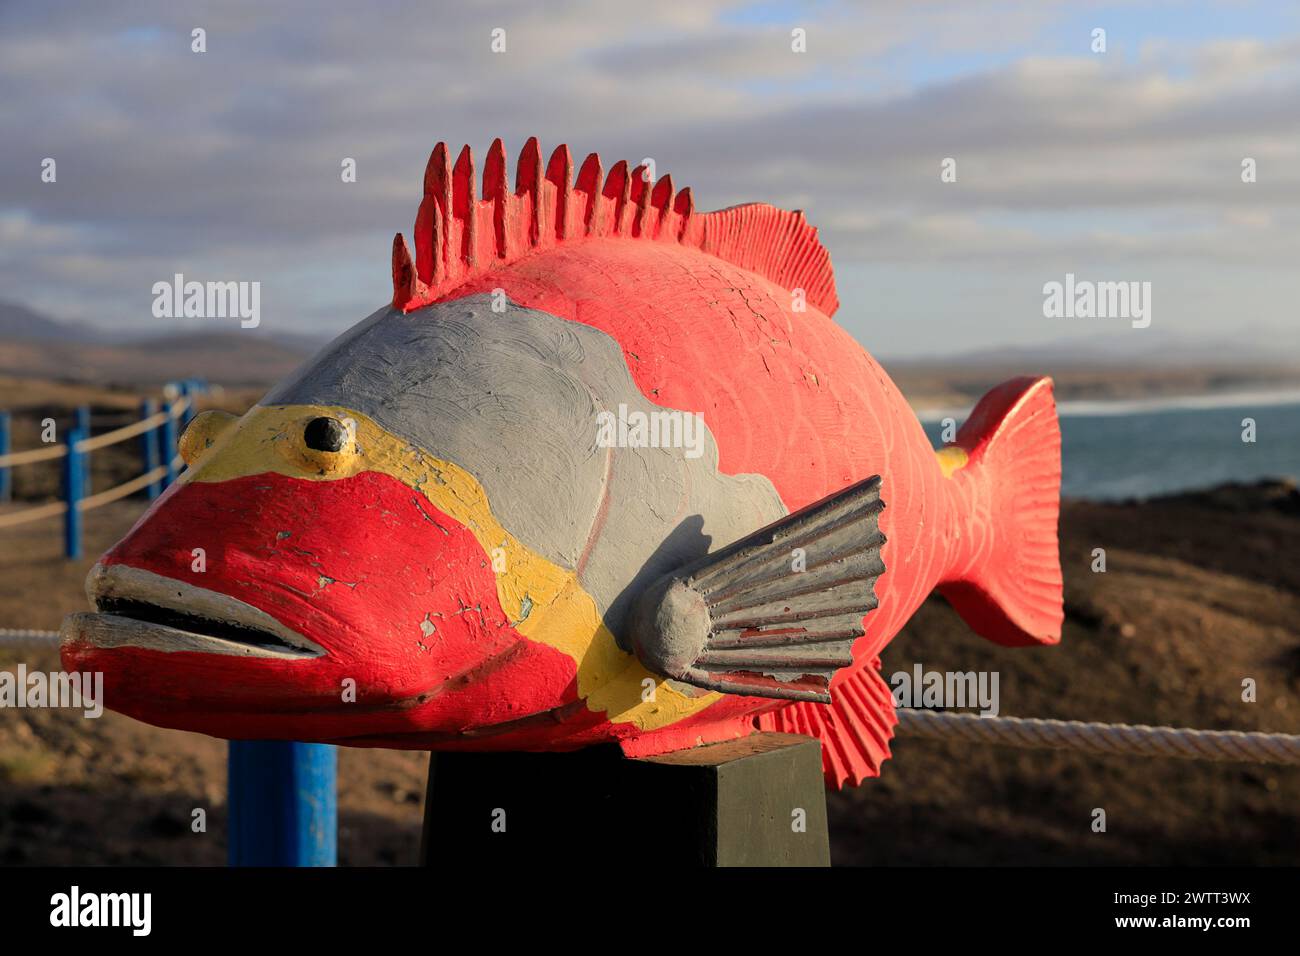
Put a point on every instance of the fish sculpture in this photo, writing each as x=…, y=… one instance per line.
x=604, y=470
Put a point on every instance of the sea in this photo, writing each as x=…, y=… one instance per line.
x=1146, y=448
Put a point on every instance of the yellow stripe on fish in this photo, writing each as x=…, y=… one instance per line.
x=952, y=458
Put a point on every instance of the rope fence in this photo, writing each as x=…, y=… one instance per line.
x=1128, y=740
x=130, y=431
x=35, y=455
x=33, y=514
x=157, y=430
x=175, y=410
x=10, y=636
x=124, y=489
x=1134, y=740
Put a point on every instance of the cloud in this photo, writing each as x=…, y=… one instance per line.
x=226, y=164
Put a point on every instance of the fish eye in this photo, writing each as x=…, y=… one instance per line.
x=325, y=434
x=202, y=432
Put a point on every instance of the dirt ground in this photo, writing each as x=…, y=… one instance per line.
x=1200, y=592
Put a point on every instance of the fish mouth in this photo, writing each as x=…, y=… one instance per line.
x=137, y=608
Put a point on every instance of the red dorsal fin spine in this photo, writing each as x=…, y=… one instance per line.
x=684, y=207
x=559, y=176
x=405, y=284
x=459, y=236
x=465, y=216
x=528, y=190
x=588, y=189
x=496, y=190
x=661, y=201
x=430, y=221
x=613, y=201
x=640, y=198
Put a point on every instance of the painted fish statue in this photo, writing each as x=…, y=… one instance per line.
x=604, y=470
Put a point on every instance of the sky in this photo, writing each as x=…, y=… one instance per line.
x=1123, y=165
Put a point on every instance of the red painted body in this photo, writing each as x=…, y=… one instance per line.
x=796, y=399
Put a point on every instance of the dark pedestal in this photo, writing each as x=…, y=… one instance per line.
x=753, y=802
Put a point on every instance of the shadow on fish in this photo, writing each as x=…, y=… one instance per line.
x=472, y=522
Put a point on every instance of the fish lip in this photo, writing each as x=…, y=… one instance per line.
x=109, y=586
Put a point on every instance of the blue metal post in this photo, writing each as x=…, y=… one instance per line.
x=186, y=393
x=73, y=484
x=167, y=443
x=82, y=424
x=283, y=803
x=149, y=447
x=6, y=476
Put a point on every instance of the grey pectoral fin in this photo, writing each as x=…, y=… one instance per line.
x=776, y=613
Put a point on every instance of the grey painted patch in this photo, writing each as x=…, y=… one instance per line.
x=512, y=397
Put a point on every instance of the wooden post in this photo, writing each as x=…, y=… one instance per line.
x=760, y=801
x=167, y=444
x=73, y=486
x=6, y=476
x=149, y=448
x=283, y=803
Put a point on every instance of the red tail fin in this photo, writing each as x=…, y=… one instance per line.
x=1012, y=594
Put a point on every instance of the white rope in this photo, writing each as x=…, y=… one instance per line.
x=21, y=635
x=99, y=441
x=36, y=513
x=115, y=493
x=32, y=455
x=121, y=434
x=1098, y=738
x=122, y=490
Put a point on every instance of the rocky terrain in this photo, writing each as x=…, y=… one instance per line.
x=1200, y=591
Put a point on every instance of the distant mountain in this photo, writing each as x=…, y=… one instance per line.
x=33, y=345
x=198, y=337
x=225, y=358
x=303, y=342
x=1149, y=362
x=1141, y=349
x=20, y=322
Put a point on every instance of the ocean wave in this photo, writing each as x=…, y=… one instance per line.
x=1164, y=403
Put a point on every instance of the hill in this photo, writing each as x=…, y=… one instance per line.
x=18, y=322
x=229, y=358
